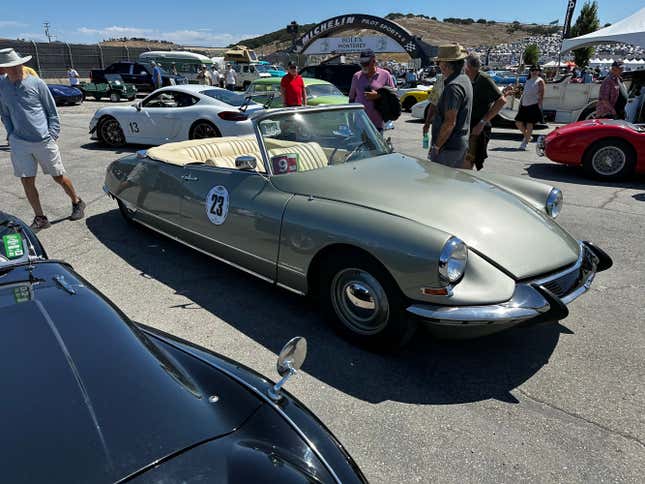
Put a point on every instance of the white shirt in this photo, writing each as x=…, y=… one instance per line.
x=72, y=75
x=531, y=91
x=231, y=78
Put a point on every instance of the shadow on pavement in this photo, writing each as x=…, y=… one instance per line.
x=425, y=372
x=96, y=146
x=574, y=174
x=639, y=196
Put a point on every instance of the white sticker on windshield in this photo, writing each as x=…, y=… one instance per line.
x=217, y=204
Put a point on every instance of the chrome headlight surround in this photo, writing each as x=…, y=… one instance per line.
x=452, y=260
x=554, y=202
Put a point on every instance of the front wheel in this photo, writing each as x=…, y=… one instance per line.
x=115, y=97
x=110, y=132
x=364, y=304
x=611, y=159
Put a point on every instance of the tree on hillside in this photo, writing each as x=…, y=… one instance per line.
x=531, y=54
x=586, y=23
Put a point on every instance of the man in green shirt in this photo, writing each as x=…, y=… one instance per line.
x=487, y=102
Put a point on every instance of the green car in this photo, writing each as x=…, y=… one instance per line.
x=319, y=92
x=383, y=241
x=109, y=86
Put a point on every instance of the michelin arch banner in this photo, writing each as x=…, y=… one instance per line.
x=346, y=45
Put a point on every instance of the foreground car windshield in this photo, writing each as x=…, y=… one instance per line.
x=225, y=96
x=316, y=139
x=323, y=90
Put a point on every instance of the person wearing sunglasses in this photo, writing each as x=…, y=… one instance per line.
x=530, y=111
x=292, y=87
x=366, y=82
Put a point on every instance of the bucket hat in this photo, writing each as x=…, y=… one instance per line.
x=10, y=58
x=450, y=52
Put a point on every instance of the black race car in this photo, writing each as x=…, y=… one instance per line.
x=90, y=396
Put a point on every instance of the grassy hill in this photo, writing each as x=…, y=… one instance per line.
x=432, y=31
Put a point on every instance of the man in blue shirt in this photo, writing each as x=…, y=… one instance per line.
x=30, y=117
x=156, y=75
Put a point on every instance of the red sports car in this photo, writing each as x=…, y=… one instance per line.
x=606, y=149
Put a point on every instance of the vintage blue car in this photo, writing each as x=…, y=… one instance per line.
x=65, y=95
x=506, y=77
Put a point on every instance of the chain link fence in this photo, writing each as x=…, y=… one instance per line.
x=50, y=60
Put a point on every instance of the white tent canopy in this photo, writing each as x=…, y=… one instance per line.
x=630, y=30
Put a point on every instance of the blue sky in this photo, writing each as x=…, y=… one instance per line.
x=220, y=22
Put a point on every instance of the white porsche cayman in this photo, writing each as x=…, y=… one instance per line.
x=175, y=113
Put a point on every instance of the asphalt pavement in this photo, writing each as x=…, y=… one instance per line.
x=561, y=402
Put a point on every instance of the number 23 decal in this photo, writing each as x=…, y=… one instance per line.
x=217, y=204
x=134, y=127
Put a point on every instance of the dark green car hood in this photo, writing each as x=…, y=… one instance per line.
x=494, y=222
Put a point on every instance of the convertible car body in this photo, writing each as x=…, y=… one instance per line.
x=100, y=399
x=316, y=202
x=606, y=149
x=172, y=114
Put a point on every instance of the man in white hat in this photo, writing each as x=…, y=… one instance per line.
x=30, y=117
x=451, y=123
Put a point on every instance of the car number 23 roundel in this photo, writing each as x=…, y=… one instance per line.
x=217, y=204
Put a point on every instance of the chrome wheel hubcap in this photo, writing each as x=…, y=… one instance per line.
x=360, y=301
x=608, y=160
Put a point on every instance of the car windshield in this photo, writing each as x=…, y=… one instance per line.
x=263, y=88
x=313, y=139
x=228, y=97
x=113, y=77
x=316, y=90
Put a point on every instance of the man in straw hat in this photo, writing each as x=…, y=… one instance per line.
x=29, y=114
x=451, y=123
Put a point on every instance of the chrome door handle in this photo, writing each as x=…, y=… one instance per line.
x=189, y=178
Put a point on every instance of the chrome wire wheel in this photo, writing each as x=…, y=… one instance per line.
x=360, y=301
x=111, y=132
x=204, y=130
x=608, y=160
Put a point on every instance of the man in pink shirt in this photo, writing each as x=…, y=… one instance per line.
x=366, y=82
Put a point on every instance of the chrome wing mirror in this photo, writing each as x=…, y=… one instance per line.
x=137, y=105
x=291, y=357
x=246, y=162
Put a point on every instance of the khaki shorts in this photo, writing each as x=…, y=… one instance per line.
x=27, y=155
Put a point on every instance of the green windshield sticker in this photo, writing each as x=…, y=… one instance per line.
x=21, y=294
x=13, y=248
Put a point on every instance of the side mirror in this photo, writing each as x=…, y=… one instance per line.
x=290, y=360
x=137, y=105
x=246, y=162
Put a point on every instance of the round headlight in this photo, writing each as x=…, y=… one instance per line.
x=554, y=203
x=452, y=260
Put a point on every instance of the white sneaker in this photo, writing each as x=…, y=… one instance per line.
x=523, y=146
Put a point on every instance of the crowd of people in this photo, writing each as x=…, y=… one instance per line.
x=462, y=105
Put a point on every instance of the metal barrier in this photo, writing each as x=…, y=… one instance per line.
x=50, y=60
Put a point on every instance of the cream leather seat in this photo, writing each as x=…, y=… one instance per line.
x=222, y=152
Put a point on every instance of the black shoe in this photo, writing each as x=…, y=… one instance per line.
x=78, y=210
x=40, y=222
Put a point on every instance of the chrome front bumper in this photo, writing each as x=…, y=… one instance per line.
x=539, y=146
x=538, y=300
